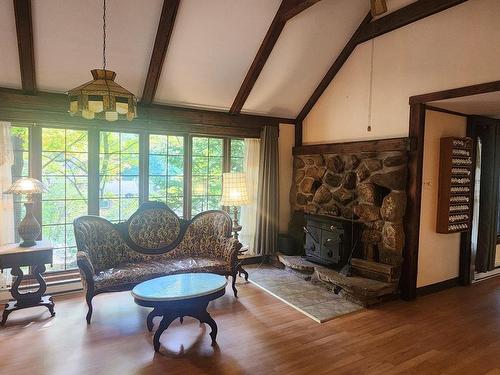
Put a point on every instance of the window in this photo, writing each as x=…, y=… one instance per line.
x=207, y=166
x=236, y=160
x=108, y=173
x=237, y=155
x=166, y=171
x=118, y=175
x=64, y=172
x=20, y=168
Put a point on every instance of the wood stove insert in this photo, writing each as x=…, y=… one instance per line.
x=331, y=241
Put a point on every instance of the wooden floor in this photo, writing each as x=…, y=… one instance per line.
x=453, y=332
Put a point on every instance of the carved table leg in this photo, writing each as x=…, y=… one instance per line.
x=149, y=319
x=165, y=322
x=206, y=318
x=5, y=314
x=28, y=299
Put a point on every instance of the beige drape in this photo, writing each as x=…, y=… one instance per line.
x=266, y=237
x=248, y=218
x=6, y=201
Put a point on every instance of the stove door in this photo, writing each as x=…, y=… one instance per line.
x=331, y=245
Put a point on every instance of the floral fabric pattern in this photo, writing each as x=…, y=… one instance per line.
x=106, y=261
x=134, y=273
x=154, y=228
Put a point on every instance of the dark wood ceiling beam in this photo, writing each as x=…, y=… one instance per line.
x=297, y=6
x=368, y=30
x=53, y=108
x=332, y=72
x=163, y=34
x=24, y=29
x=404, y=16
x=287, y=9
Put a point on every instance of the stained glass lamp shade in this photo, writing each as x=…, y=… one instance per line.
x=102, y=98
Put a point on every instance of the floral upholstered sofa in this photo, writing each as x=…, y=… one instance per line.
x=153, y=242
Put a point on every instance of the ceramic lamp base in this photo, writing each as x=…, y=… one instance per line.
x=29, y=229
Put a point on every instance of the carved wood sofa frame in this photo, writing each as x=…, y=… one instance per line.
x=153, y=237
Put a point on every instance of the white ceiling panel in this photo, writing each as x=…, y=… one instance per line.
x=10, y=75
x=306, y=49
x=212, y=46
x=68, y=41
x=481, y=104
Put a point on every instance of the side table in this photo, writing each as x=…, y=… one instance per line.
x=13, y=256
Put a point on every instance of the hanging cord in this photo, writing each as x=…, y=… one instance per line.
x=370, y=97
x=104, y=36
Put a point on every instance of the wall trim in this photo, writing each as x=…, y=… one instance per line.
x=438, y=287
x=379, y=145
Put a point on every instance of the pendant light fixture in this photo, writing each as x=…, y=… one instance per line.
x=102, y=97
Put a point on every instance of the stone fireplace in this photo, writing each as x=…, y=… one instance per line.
x=363, y=182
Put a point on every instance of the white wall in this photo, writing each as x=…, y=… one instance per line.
x=285, y=143
x=439, y=254
x=454, y=48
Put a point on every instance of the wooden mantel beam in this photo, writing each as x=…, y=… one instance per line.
x=368, y=30
x=24, y=29
x=163, y=34
x=287, y=10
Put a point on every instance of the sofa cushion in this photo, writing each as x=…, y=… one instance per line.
x=133, y=273
x=154, y=228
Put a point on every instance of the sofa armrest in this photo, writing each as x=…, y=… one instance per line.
x=86, y=268
x=226, y=248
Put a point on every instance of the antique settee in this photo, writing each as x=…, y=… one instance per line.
x=153, y=242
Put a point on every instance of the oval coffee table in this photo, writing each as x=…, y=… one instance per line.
x=177, y=296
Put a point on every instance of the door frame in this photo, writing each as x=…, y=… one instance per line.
x=416, y=132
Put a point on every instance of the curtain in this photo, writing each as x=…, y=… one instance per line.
x=477, y=195
x=248, y=217
x=266, y=236
x=488, y=200
x=6, y=200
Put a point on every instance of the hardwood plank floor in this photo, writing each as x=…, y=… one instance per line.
x=452, y=332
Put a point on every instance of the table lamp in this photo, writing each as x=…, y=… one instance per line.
x=29, y=228
x=234, y=193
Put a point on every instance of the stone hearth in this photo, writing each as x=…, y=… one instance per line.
x=368, y=187
x=361, y=290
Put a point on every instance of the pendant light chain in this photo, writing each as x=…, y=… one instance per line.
x=102, y=98
x=370, y=97
x=104, y=36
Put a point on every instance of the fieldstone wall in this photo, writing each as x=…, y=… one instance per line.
x=365, y=186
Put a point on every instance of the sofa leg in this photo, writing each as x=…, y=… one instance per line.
x=89, y=304
x=234, y=284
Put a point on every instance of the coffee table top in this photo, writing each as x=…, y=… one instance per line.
x=179, y=287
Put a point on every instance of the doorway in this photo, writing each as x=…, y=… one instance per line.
x=477, y=101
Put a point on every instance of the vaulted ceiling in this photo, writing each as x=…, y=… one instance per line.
x=211, y=49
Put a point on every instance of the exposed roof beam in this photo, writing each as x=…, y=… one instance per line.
x=287, y=10
x=297, y=6
x=165, y=27
x=404, y=16
x=53, y=108
x=24, y=29
x=368, y=30
x=332, y=72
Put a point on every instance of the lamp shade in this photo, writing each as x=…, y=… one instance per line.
x=102, y=98
x=234, y=189
x=27, y=185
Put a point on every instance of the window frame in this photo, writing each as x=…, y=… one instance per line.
x=93, y=131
